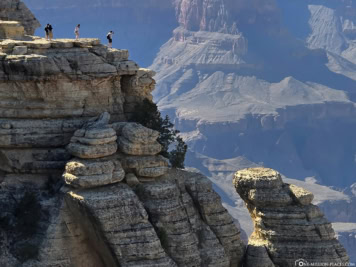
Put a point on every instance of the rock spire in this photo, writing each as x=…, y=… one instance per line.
x=288, y=228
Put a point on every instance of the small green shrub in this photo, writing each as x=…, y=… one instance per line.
x=147, y=114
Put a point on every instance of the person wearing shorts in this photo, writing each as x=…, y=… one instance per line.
x=47, y=31
x=109, y=37
x=50, y=32
x=76, y=32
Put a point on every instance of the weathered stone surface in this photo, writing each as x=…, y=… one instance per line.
x=301, y=195
x=93, y=141
x=19, y=50
x=82, y=167
x=131, y=179
x=125, y=231
x=139, y=162
x=152, y=172
x=81, y=173
x=98, y=133
x=11, y=30
x=92, y=151
x=287, y=226
x=129, y=148
x=187, y=213
x=138, y=134
x=60, y=94
x=88, y=181
x=16, y=10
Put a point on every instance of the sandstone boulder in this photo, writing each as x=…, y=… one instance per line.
x=92, y=151
x=81, y=173
x=152, y=172
x=94, y=140
x=89, y=167
x=16, y=10
x=135, y=139
x=138, y=149
x=138, y=134
x=11, y=30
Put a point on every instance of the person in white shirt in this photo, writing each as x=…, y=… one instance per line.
x=76, y=32
x=109, y=37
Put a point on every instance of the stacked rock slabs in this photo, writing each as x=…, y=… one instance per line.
x=48, y=90
x=92, y=145
x=288, y=228
x=140, y=152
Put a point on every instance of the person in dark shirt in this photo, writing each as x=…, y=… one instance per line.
x=49, y=32
x=109, y=37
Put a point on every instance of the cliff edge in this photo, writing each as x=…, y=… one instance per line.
x=82, y=186
x=79, y=184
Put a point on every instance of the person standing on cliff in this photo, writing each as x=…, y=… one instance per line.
x=109, y=37
x=76, y=32
x=49, y=32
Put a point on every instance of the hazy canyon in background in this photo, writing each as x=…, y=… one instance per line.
x=248, y=83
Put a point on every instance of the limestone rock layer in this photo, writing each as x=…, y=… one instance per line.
x=287, y=227
x=16, y=10
x=48, y=90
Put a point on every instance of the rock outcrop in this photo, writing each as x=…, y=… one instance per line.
x=79, y=184
x=50, y=89
x=287, y=227
x=16, y=10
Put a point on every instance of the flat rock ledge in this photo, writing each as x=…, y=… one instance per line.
x=135, y=139
x=287, y=226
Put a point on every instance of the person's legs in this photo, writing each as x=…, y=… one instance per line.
x=46, y=36
x=76, y=36
x=50, y=36
x=110, y=44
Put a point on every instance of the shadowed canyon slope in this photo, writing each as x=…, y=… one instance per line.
x=244, y=78
x=265, y=83
x=240, y=80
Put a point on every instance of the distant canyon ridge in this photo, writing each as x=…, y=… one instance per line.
x=249, y=83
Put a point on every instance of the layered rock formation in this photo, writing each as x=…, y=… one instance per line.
x=16, y=10
x=236, y=71
x=79, y=185
x=49, y=90
x=287, y=227
x=137, y=23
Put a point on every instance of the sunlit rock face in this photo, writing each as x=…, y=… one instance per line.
x=225, y=15
x=79, y=184
x=139, y=26
x=287, y=227
x=16, y=10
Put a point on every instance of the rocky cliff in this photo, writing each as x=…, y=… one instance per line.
x=16, y=10
x=137, y=24
x=79, y=185
x=288, y=229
